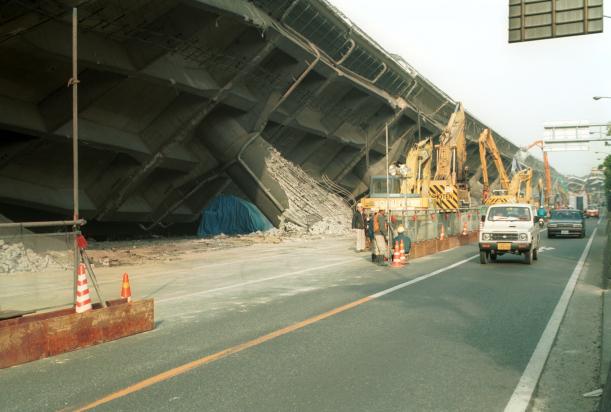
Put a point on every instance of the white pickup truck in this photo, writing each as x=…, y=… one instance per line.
x=509, y=228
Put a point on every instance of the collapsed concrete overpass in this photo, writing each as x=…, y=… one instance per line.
x=180, y=99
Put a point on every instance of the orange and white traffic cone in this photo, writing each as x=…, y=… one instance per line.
x=83, y=300
x=464, y=229
x=402, y=257
x=126, y=290
x=396, y=256
x=442, y=235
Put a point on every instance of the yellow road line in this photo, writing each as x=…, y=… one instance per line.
x=220, y=355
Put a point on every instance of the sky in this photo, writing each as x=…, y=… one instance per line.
x=461, y=46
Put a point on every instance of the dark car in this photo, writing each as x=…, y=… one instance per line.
x=566, y=222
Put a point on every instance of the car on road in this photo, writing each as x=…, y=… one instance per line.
x=592, y=211
x=566, y=222
x=509, y=228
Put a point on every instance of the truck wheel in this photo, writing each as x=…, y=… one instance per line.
x=535, y=253
x=483, y=257
x=528, y=257
x=549, y=235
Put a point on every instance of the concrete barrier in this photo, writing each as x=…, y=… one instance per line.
x=28, y=338
x=432, y=246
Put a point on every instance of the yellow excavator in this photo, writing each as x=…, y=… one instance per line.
x=418, y=161
x=520, y=188
x=409, y=183
x=516, y=190
x=487, y=144
x=449, y=187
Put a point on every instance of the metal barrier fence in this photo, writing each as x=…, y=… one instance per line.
x=36, y=269
x=423, y=225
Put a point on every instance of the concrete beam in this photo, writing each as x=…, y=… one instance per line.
x=377, y=135
x=184, y=131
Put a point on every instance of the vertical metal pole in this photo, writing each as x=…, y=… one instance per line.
x=75, y=197
x=367, y=152
x=388, y=196
x=419, y=128
x=387, y=173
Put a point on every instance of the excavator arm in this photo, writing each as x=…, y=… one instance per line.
x=418, y=161
x=486, y=143
x=452, y=150
x=548, y=174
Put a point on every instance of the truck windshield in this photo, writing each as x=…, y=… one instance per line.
x=509, y=213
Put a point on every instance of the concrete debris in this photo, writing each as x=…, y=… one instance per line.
x=15, y=257
x=135, y=252
x=312, y=208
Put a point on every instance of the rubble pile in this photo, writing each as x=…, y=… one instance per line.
x=312, y=209
x=15, y=257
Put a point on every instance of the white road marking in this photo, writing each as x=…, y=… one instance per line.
x=522, y=394
x=421, y=278
x=544, y=248
x=251, y=282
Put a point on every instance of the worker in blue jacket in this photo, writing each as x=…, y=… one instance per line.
x=401, y=236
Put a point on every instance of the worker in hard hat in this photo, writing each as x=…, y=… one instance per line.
x=380, y=228
x=358, y=227
x=402, y=236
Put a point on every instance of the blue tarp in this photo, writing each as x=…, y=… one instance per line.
x=232, y=216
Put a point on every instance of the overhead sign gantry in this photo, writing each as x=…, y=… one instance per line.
x=546, y=19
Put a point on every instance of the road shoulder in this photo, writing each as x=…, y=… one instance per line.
x=573, y=366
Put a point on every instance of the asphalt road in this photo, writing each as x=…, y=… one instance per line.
x=458, y=340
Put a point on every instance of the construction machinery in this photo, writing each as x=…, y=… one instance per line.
x=408, y=184
x=449, y=187
x=418, y=161
x=548, y=174
x=520, y=187
x=540, y=193
x=487, y=144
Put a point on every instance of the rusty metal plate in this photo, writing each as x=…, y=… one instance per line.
x=35, y=337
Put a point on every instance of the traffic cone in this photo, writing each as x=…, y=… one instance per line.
x=83, y=300
x=402, y=257
x=396, y=256
x=126, y=290
x=464, y=229
x=442, y=235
